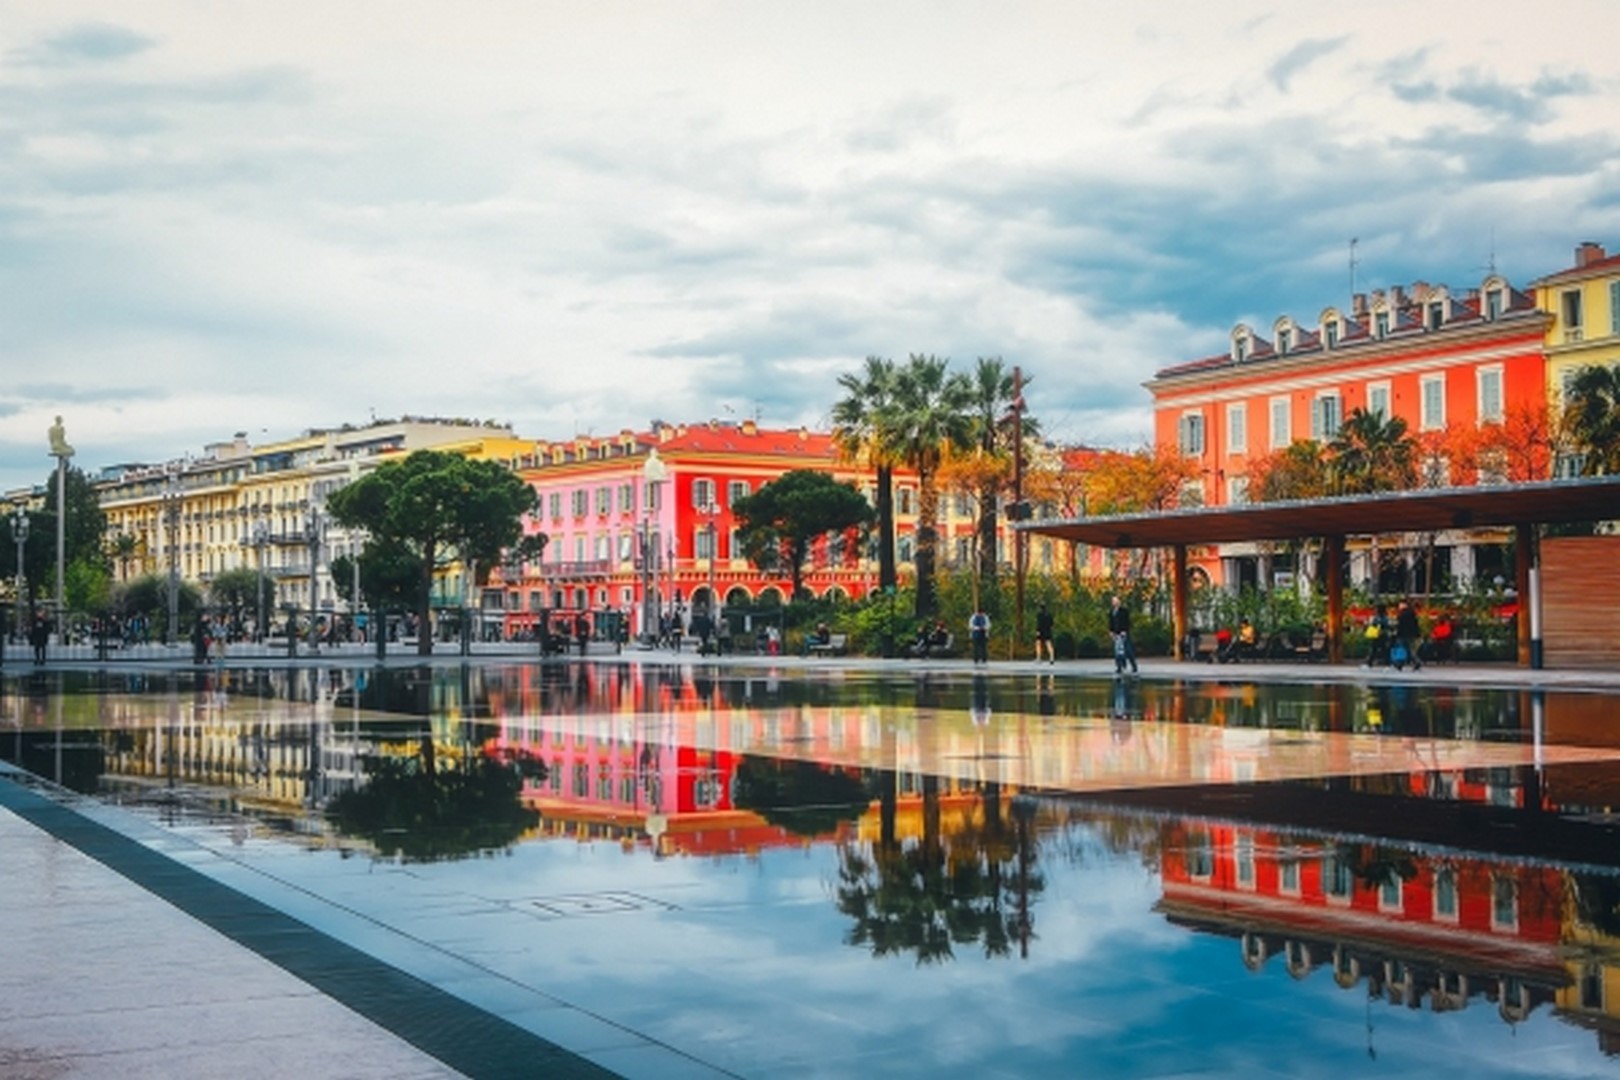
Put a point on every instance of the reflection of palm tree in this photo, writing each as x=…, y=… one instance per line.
x=926, y=898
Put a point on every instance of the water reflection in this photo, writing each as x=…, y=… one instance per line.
x=1410, y=863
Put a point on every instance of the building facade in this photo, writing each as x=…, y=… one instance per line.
x=1583, y=330
x=1444, y=361
x=238, y=506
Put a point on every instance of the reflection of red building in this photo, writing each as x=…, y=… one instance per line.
x=1416, y=926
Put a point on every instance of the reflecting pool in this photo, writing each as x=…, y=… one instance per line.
x=842, y=874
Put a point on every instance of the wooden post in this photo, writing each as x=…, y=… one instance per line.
x=1178, y=600
x=1524, y=557
x=1333, y=556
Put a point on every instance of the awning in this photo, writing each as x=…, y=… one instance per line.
x=1425, y=510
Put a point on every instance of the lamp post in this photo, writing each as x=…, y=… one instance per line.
x=312, y=536
x=19, y=532
x=171, y=518
x=261, y=537
x=653, y=472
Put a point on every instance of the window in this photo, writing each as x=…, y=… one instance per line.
x=1190, y=433
x=1504, y=904
x=703, y=494
x=736, y=489
x=1280, y=435
x=649, y=494
x=579, y=549
x=1433, y=415
x=604, y=548
x=1330, y=332
x=1614, y=307
x=1378, y=400
x=903, y=547
x=627, y=498
x=555, y=501
x=1389, y=893
x=1493, y=304
x=604, y=499
x=703, y=543
x=1288, y=877
x=1237, y=490
x=1434, y=314
x=905, y=501
x=581, y=502
x=1325, y=415
x=1237, y=429
x=1570, y=305
x=1240, y=349
x=1245, y=862
x=1490, y=395
x=1285, y=341
x=1445, y=894
x=1200, y=856
x=1338, y=880
x=627, y=545
x=1381, y=324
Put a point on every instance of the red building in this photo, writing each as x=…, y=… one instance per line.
x=640, y=525
x=1441, y=360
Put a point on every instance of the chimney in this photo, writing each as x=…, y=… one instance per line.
x=1588, y=253
x=1397, y=297
x=749, y=427
x=1420, y=292
x=1358, y=305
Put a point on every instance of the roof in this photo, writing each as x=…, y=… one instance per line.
x=1548, y=502
x=1356, y=332
x=1595, y=268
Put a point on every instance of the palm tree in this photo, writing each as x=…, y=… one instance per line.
x=1371, y=453
x=993, y=394
x=857, y=429
x=123, y=549
x=1592, y=418
x=931, y=410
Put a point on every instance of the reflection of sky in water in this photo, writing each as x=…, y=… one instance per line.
x=742, y=960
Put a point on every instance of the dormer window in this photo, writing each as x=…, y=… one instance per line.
x=1495, y=298
x=1242, y=344
x=1381, y=323
x=1332, y=328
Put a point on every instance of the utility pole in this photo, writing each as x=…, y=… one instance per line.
x=1020, y=510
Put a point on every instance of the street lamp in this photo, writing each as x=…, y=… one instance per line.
x=652, y=474
x=312, y=536
x=261, y=538
x=171, y=518
x=19, y=532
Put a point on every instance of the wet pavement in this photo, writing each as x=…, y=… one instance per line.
x=810, y=868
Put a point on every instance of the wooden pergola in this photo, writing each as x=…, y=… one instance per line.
x=1519, y=506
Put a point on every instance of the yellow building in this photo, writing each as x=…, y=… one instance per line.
x=1584, y=302
x=237, y=506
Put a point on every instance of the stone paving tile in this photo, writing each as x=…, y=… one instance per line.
x=100, y=979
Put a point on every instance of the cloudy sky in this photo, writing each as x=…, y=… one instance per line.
x=576, y=217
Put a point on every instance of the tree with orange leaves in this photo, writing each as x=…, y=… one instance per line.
x=1517, y=449
x=1151, y=478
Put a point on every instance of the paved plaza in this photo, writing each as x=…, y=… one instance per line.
x=120, y=960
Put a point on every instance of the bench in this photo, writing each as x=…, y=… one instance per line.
x=923, y=652
x=835, y=645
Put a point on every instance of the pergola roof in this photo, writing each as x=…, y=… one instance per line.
x=1428, y=510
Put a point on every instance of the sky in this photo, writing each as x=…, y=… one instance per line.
x=572, y=217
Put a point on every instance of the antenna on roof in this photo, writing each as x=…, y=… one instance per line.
x=1490, y=263
x=1354, y=240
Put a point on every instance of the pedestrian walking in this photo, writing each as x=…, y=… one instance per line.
x=979, y=634
x=199, y=640
x=582, y=631
x=39, y=635
x=1043, y=634
x=1119, y=625
x=1407, y=636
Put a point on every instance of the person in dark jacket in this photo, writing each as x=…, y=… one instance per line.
x=1119, y=625
x=39, y=635
x=582, y=631
x=1043, y=635
x=1408, y=633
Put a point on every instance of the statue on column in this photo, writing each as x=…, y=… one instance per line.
x=59, y=443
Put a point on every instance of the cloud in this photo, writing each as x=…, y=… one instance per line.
x=1300, y=57
x=1526, y=103
x=92, y=42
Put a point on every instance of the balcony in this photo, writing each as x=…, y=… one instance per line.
x=590, y=568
